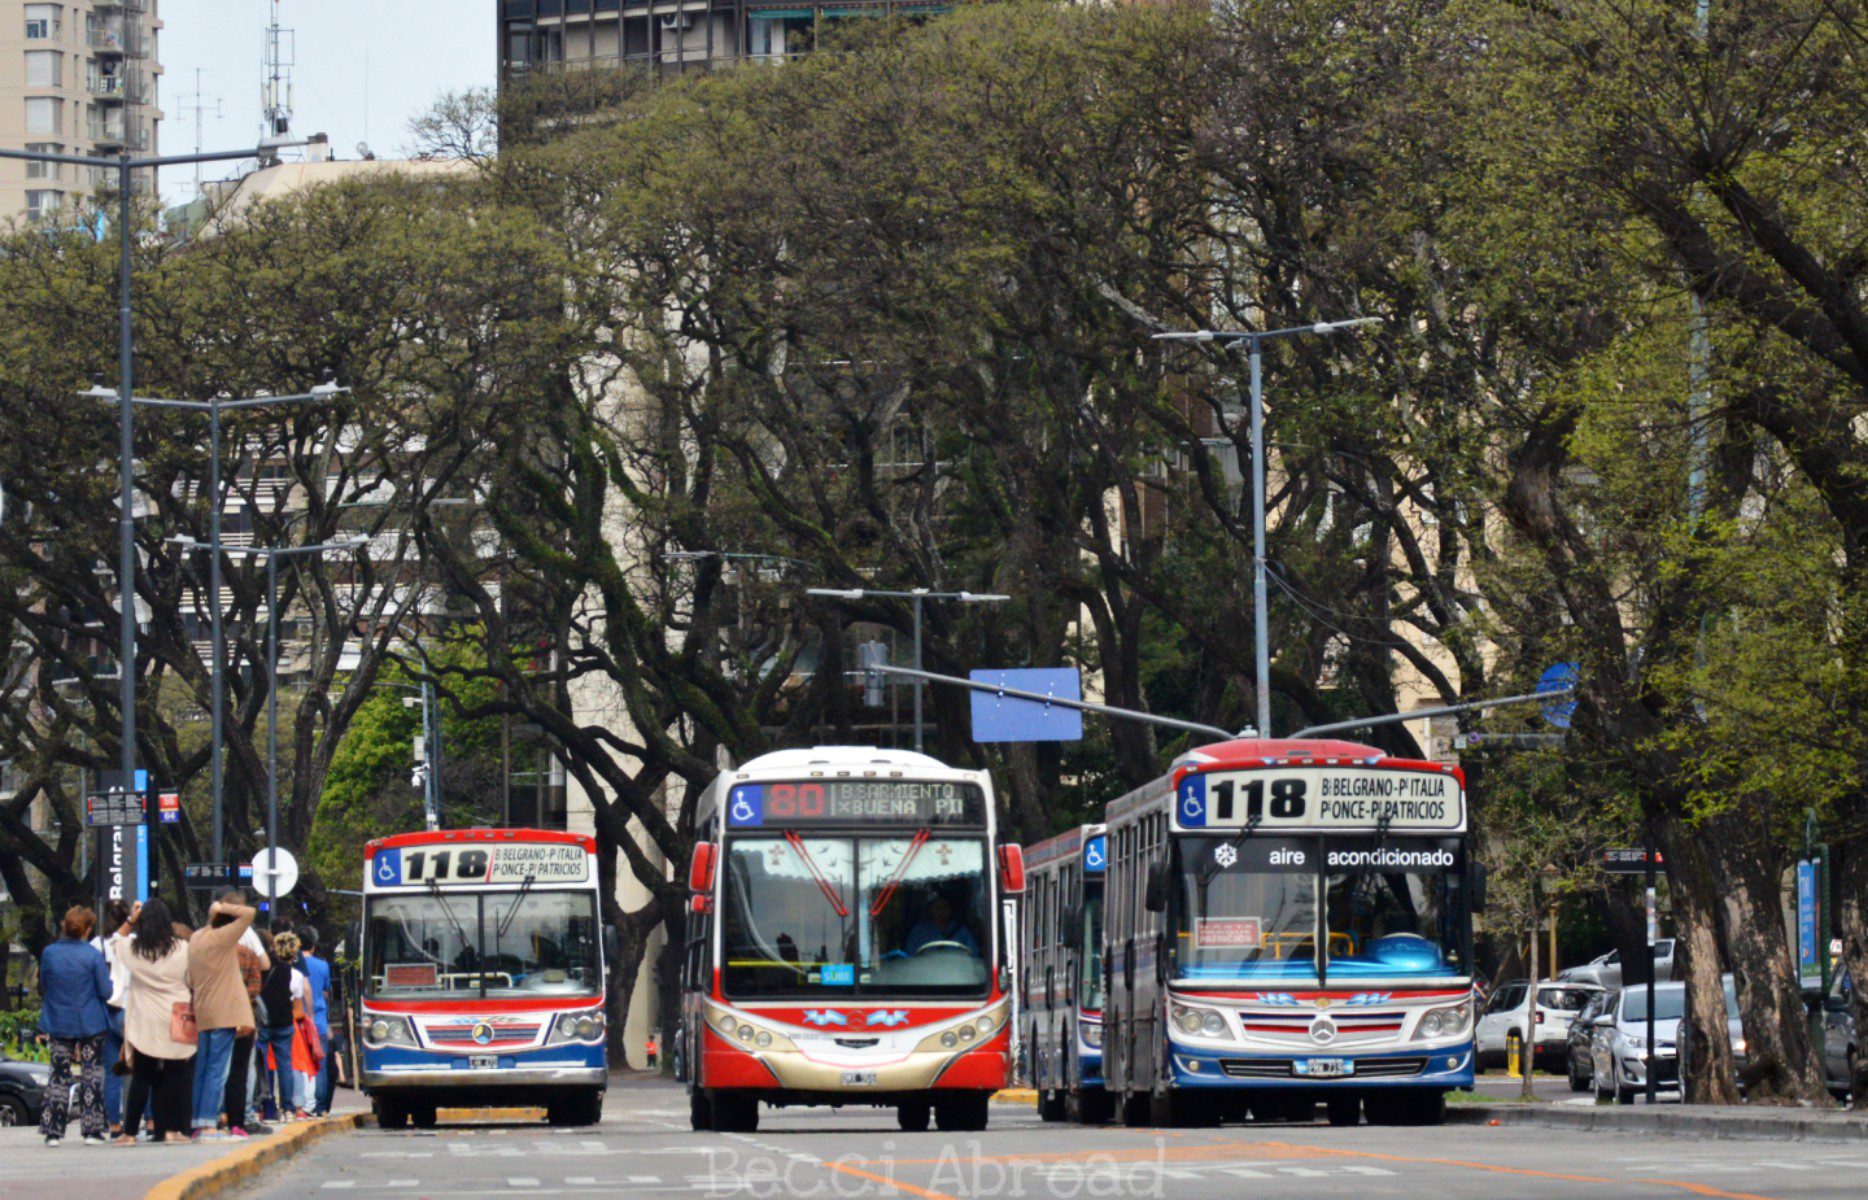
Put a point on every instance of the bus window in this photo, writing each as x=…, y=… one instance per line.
x=1248, y=908
x=1392, y=908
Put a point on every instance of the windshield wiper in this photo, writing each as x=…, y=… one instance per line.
x=823, y=882
x=505, y=923
x=434, y=886
x=1212, y=866
x=895, y=880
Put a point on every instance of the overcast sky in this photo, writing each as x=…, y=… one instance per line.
x=415, y=50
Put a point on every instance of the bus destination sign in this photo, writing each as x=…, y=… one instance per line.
x=1285, y=798
x=854, y=802
x=457, y=864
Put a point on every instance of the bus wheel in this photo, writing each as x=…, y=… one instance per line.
x=391, y=1112
x=1135, y=1109
x=912, y=1115
x=584, y=1107
x=424, y=1115
x=735, y=1113
x=1170, y=1111
x=963, y=1113
x=1051, y=1105
x=1344, y=1110
x=1089, y=1106
x=700, y=1111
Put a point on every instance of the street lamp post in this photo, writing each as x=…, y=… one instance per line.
x=1253, y=339
x=272, y=555
x=124, y=165
x=917, y=595
x=214, y=408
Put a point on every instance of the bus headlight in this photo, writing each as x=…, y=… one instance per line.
x=762, y=1039
x=967, y=1033
x=578, y=1027
x=1199, y=1022
x=1444, y=1022
x=388, y=1030
x=744, y=1033
x=727, y=1023
x=1092, y=1034
x=985, y=1024
x=949, y=1039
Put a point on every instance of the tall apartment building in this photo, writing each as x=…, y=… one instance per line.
x=673, y=35
x=76, y=77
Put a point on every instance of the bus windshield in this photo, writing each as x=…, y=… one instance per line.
x=900, y=915
x=1248, y=908
x=483, y=943
x=1090, y=952
x=1393, y=907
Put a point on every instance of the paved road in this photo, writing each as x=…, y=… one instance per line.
x=644, y=1148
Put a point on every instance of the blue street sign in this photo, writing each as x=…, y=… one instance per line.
x=1808, y=964
x=1563, y=675
x=1007, y=719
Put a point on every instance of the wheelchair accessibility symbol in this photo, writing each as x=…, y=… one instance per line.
x=1193, y=801
x=1093, y=855
x=389, y=868
x=748, y=806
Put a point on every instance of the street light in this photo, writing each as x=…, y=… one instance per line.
x=214, y=408
x=126, y=449
x=1262, y=635
x=917, y=595
x=273, y=554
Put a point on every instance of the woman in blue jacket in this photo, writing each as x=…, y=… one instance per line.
x=75, y=985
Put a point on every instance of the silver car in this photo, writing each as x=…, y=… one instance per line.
x=1618, y=1050
x=1841, y=1047
x=1605, y=970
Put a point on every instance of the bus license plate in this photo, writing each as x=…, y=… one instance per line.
x=859, y=1079
x=483, y=1062
x=1324, y=1068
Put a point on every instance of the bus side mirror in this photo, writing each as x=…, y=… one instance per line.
x=1154, y=896
x=612, y=945
x=701, y=867
x=1012, y=870
x=1478, y=887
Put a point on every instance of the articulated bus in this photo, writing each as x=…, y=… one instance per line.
x=844, y=945
x=1063, y=974
x=1290, y=922
x=483, y=975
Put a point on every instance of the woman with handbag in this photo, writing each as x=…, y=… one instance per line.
x=158, y=1025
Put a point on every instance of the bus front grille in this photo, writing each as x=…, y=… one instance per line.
x=1281, y=1068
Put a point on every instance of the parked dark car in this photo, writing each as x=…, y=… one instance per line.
x=22, y=1091
x=1581, y=1066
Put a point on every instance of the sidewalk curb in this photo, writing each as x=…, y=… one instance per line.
x=1739, y=1123
x=1018, y=1095
x=213, y=1178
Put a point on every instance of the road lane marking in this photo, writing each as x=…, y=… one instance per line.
x=911, y=1189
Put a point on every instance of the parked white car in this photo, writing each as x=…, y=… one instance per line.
x=1605, y=970
x=1557, y=1005
x=1619, y=1047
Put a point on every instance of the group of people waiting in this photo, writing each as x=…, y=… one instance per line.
x=150, y=1018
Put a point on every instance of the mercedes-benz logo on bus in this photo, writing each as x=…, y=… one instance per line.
x=1323, y=1030
x=482, y=1033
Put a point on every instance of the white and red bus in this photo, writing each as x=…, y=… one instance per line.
x=844, y=940
x=1290, y=923
x=483, y=975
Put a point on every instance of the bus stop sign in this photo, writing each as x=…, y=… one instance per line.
x=1008, y=719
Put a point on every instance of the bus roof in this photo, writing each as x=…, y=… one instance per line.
x=1062, y=845
x=846, y=758
x=442, y=837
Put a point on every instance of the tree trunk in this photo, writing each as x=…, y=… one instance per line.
x=1695, y=891
x=1528, y=1051
x=1783, y=1067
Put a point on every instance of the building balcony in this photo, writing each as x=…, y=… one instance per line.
x=115, y=89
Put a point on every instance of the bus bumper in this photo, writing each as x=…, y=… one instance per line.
x=1090, y=1068
x=553, y=1067
x=1440, y=1067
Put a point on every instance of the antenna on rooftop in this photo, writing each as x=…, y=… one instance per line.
x=276, y=89
x=202, y=105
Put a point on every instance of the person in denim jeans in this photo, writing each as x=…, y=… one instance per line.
x=278, y=992
x=221, y=1005
x=116, y=918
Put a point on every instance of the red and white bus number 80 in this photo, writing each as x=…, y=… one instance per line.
x=795, y=800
